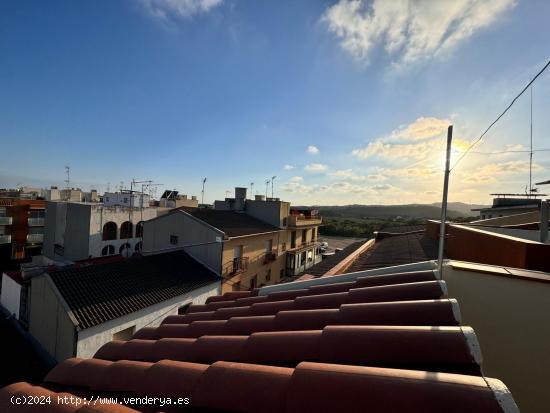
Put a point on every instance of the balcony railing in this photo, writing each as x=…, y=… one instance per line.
x=6, y=220
x=303, y=220
x=35, y=238
x=235, y=266
x=304, y=246
x=5, y=239
x=269, y=256
x=36, y=222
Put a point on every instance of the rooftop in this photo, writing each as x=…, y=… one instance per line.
x=233, y=224
x=101, y=292
x=327, y=344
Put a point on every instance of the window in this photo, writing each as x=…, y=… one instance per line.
x=283, y=246
x=293, y=239
x=268, y=275
x=281, y=273
x=139, y=229
x=107, y=250
x=109, y=231
x=126, y=230
x=302, y=258
x=284, y=221
x=125, y=334
x=304, y=236
x=268, y=245
x=174, y=239
x=253, y=282
x=125, y=250
x=314, y=234
x=125, y=200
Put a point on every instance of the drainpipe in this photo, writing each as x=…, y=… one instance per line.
x=544, y=221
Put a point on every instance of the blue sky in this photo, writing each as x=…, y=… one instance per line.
x=344, y=101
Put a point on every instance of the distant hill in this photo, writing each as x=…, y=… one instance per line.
x=463, y=208
x=433, y=211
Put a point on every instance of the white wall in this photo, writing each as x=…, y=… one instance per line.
x=91, y=339
x=190, y=231
x=11, y=295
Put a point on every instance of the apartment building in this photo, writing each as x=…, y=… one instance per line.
x=250, y=243
x=77, y=231
x=21, y=228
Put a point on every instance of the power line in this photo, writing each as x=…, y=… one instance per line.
x=501, y=115
x=511, y=151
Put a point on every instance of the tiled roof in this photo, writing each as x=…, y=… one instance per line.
x=327, y=263
x=396, y=250
x=233, y=224
x=377, y=343
x=102, y=292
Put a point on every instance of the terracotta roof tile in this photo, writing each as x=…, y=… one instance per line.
x=377, y=344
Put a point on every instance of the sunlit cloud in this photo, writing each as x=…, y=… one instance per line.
x=409, y=31
x=288, y=167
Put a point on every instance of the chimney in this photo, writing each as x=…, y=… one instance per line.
x=240, y=198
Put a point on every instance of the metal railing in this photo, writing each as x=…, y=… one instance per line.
x=35, y=237
x=35, y=222
x=304, y=246
x=6, y=220
x=299, y=220
x=269, y=256
x=235, y=266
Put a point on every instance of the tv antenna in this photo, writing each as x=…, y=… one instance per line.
x=202, y=193
x=272, y=179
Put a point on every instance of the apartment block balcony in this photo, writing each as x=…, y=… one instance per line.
x=35, y=222
x=5, y=239
x=304, y=246
x=35, y=238
x=269, y=256
x=235, y=266
x=6, y=220
x=304, y=220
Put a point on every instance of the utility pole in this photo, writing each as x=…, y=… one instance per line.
x=251, y=190
x=444, y=202
x=531, y=151
x=272, y=179
x=202, y=196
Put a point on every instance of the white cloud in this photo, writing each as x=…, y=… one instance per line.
x=288, y=167
x=490, y=172
x=352, y=176
x=314, y=150
x=296, y=179
x=315, y=168
x=178, y=9
x=421, y=139
x=409, y=30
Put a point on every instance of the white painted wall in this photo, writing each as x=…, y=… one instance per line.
x=11, y=295
x=91, y=339
x=190, y=231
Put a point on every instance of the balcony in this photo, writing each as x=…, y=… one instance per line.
x=304, y=246
x=5, y=239
x=235, y=266
x=35, y=238
x=6, y=220
x=269, y=257
x=36, y=222
x=303, y=220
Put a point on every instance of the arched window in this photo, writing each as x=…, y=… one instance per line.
x=109, y=231
x=108, y=250
x=126, y=230
x=139, y=229
x=125, y=250
x=138, y=246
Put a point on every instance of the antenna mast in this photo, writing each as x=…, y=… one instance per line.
x=251, y=190
x=272, y=179
x=531, y=151
x=202, y=196
x=266, y=187
x=68, y=181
